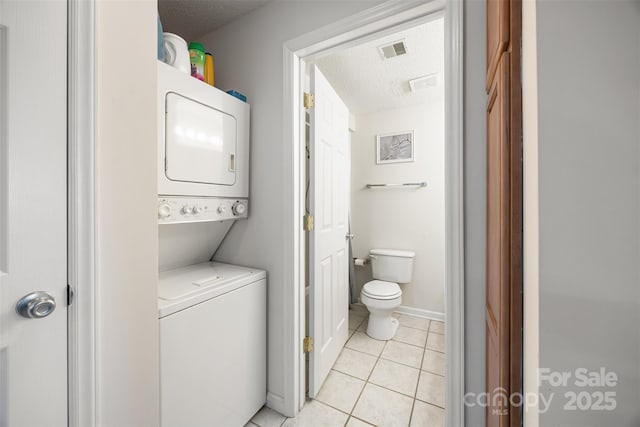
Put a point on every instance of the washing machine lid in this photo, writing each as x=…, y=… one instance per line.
x=379, y=289
x=186, y=281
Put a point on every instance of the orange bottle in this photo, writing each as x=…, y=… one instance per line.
x=208, y=69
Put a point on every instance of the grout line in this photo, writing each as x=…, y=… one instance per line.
x=415, y=393
x=431, y=403
x=368, y=377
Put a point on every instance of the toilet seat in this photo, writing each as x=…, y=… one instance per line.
x=381, y=290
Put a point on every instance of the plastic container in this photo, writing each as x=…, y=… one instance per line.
x=197, y=58
x=208, y=69
x=238, y=95
x=176, y=52
x=160, y=41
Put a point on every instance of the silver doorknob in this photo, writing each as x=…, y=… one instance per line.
x=349, y=236
x=36, y=305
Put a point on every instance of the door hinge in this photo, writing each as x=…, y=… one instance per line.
x=309, y=101
x=308, y=222
x=307, y=345
x=70, y=295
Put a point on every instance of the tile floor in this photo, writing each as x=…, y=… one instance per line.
x=394, y=383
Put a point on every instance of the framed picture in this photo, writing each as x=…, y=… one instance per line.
x=394, y=147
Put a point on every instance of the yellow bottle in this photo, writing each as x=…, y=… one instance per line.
x=208, y=69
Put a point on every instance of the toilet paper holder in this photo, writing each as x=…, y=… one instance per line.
x=360, y=262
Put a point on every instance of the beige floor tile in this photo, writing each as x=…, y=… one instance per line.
x=395, y=376
x=340, y=391
x=435, y=342
x=431, y=388
x=355, y=319
x=437, y=327
x=434, y=361
x=426, y=415
x=267, y=417
x=382, y=407
x=412, y=321
x=250, y=424
x=410, y=336
x=354, y=422
x=355, y=363
x=400, y=352
x=316, y=414
x=362, y=342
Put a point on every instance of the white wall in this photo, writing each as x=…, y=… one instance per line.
x=402, y=218
x=589, y=201
x=249, y=58
x=126, y=343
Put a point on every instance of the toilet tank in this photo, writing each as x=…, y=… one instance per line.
x=392, y=265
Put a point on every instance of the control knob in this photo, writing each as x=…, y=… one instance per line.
x=222, y=209
x=164, y=211
x=186, y=209
x=238, y=208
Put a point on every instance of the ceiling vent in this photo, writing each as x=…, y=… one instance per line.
x=392, y=50
x=424, y=82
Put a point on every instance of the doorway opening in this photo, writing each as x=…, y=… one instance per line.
x=383, y=147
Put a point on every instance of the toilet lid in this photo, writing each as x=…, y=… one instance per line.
x=378, y=289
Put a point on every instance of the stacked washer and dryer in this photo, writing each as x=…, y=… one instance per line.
x=212, y=315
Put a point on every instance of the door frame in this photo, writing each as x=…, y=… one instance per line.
x=81, y=322
x=387, y=17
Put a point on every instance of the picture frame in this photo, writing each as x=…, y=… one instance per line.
x=396, y=147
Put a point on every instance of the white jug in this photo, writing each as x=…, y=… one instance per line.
x=176, y=52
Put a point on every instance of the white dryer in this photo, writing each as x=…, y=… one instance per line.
x=203, y=150
x=213, y=344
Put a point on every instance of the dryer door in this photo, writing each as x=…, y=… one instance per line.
x=200, y=142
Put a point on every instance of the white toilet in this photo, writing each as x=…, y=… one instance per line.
x=383, y=296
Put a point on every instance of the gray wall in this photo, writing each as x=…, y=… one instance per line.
x=248, y=57
x=589, y=111
x=258, y=241
x=474, y=201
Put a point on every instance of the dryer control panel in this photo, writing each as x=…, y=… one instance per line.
x=176, y=210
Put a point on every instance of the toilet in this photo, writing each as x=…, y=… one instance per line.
x=383, y=296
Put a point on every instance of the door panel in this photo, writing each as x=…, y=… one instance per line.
x=497, y=34
x=33, y=210
x=498, y=244
x=207, y=156
x=329, y=291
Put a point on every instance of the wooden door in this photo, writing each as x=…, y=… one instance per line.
x=498, y=234
x=497, y=35
x=504, y=212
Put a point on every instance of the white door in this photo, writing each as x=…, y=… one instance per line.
x=33, y=212
x=329, y=193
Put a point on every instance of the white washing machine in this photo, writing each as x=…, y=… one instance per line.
x=212, y=344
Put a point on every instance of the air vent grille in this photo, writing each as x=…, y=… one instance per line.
x=392, y=50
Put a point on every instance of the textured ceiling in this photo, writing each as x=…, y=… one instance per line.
x=191, y=19
x=367, y=83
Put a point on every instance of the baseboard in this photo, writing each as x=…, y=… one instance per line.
x=275, y=402
x=418, y=312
